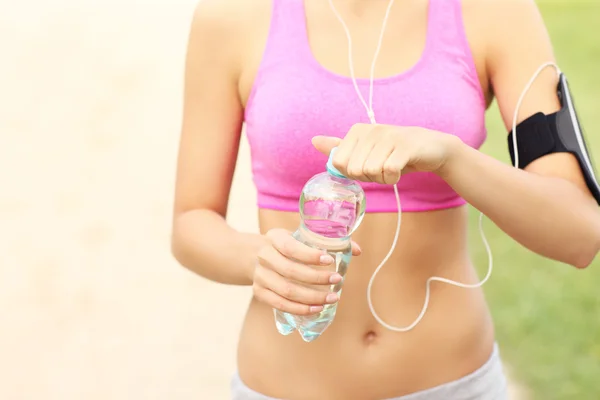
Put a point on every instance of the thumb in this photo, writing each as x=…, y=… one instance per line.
x=325, y=143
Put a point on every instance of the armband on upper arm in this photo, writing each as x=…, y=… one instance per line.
x=559, y=132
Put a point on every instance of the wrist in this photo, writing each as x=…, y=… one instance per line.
x=454, y=148
x=254, y=243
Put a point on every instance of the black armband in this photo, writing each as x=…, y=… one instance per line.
x=559, y=132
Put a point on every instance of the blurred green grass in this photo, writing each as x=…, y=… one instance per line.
x=547, y=314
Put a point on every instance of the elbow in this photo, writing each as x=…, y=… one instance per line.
x=184, y=249
x=176, y=250
x=182, y=254
x=587, y=255
x=177, y=247
x=584, y=261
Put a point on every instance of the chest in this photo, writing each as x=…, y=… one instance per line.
x=293, y=103
x=424, y=76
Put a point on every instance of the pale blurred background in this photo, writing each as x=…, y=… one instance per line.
x=93, y=305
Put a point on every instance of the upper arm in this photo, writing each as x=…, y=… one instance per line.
x=212, y=112
x=519, y=44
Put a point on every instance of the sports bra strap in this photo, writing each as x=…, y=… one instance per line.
x=287, y=33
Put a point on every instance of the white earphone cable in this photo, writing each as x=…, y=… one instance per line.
x=368, y=106
x=371, y=114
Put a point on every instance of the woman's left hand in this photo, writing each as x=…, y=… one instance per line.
x=382, y=153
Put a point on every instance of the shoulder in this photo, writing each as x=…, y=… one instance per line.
x=228, y=19
x=509, y=24
x=511, y=36
x=499, y=30
x=225, y=28
x=502, y=12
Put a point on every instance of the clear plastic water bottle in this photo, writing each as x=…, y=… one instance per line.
x=331, y=208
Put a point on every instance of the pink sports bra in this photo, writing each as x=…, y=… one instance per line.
x=294, y=98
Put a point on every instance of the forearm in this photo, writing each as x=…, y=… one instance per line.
x=204, y=243
x=550, y=216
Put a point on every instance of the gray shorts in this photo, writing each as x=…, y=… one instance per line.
x=487, y=383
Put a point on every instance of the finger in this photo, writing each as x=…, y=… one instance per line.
x=360, y=154
x=292, y=248
x=285, y=305
x=373, y=167
x=356, y=250
x=325, y=144
x=392, y=168
x=345, y=149
x=289, y=269
x=292, y=291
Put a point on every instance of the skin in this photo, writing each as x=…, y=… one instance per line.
x=546, y=208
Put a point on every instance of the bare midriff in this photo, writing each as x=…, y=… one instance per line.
x=356, y=357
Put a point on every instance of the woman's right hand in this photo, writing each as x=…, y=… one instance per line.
x=285, y=266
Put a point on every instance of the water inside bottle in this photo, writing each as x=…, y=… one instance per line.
x=312, y=326
x=332, y=207
x=331, y=219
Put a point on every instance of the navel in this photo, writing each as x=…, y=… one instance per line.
x=370, y=337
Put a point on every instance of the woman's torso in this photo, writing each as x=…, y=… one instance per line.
x=356, y=357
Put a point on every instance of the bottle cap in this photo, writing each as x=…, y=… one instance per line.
x=330, y=168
